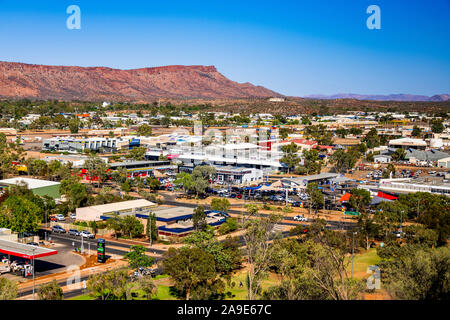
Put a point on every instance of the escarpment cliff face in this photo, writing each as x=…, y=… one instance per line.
x=19, y=80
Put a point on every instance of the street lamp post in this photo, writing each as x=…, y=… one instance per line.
x=34, y=249
x=353, y=249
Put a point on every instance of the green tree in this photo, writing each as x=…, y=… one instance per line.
x=20, y=215
x=137, y=153
x=220, y=204
x=50, y=291
x=399, y=154
x=8, y=289
x=199, y=218
x=144, y=130
x=137, y=258
x=131, y=226
x=359, y=199
x=290, y=157
x=74, y=125
x=416, y=132
x=316, y=198
x=193, y=273
x=437, y=126
x=371, y=139
x=418, y=275
x=111, y=285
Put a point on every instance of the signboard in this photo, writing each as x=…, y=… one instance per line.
x=101, y=250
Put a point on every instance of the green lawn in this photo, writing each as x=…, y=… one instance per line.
x=364, y=260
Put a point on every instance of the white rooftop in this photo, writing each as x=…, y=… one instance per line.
x=124, y=205
x=32, y=183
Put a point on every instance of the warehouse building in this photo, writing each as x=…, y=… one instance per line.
x=105, y=211
x=38, y=187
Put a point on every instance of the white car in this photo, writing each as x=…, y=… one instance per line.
x=87, y=234
x=60, y=217
x=300, y=218
x=73, y=216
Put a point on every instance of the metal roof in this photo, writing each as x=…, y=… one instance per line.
x=32, y=183
x=25, y=251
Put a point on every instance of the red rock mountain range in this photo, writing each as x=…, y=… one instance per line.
x=20, y=80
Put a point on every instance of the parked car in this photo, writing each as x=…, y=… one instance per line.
x=60, y=217
x=74, y=232
x=58, y=229
x=33, y=244
x=87, y=234
x=300, y=218
x=296, y=204
x=53, y=218
x=73, y=216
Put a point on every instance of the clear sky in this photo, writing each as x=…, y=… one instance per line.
x=293, y=47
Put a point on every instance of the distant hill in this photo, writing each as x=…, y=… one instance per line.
x=20, y=80
x=391, y=97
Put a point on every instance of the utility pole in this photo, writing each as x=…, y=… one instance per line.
x=353, y=249
x=34, y=249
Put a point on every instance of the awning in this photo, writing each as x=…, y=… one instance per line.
x=386, y=196
x=345, y=197
x=25, y=251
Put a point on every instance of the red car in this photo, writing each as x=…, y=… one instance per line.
x=53, y=218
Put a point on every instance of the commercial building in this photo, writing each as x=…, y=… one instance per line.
x=105, y=211
x=38, y=187
x=444, y=163
x=408, y=143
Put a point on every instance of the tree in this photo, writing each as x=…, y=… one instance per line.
x=152, y=230
x=126, y=186
x=389, y=215
x=137, y=258
x=316, y=198
x=359, y=199
x=371, y=139
x=290, y=157
x=74, y=125
x=199, y=218
x=137, y=153
x=258, y=232
x=367, y=228
x=50, y=291
x=437, y=126
x=344, y=160
x=115, y=223
x=185, y=179
x=153, y=183
x=111, y=285
x=399, y=154
x=220, y=204
x=227, y=256
x=418, y=274
x=131, y=226
x=20, y=215
x=96, y=167
x=416, y=132
x=8, y=289
x=312, y=161
x=193, y=273
x=144, y=130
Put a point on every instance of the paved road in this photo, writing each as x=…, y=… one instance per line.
x=334, y=225
x=68, y=239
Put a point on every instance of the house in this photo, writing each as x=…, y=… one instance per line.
x=382, y=158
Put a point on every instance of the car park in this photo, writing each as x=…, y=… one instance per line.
x=58, y=229
x=87, y=234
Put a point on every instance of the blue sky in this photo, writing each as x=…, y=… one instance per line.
x=292, y=47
